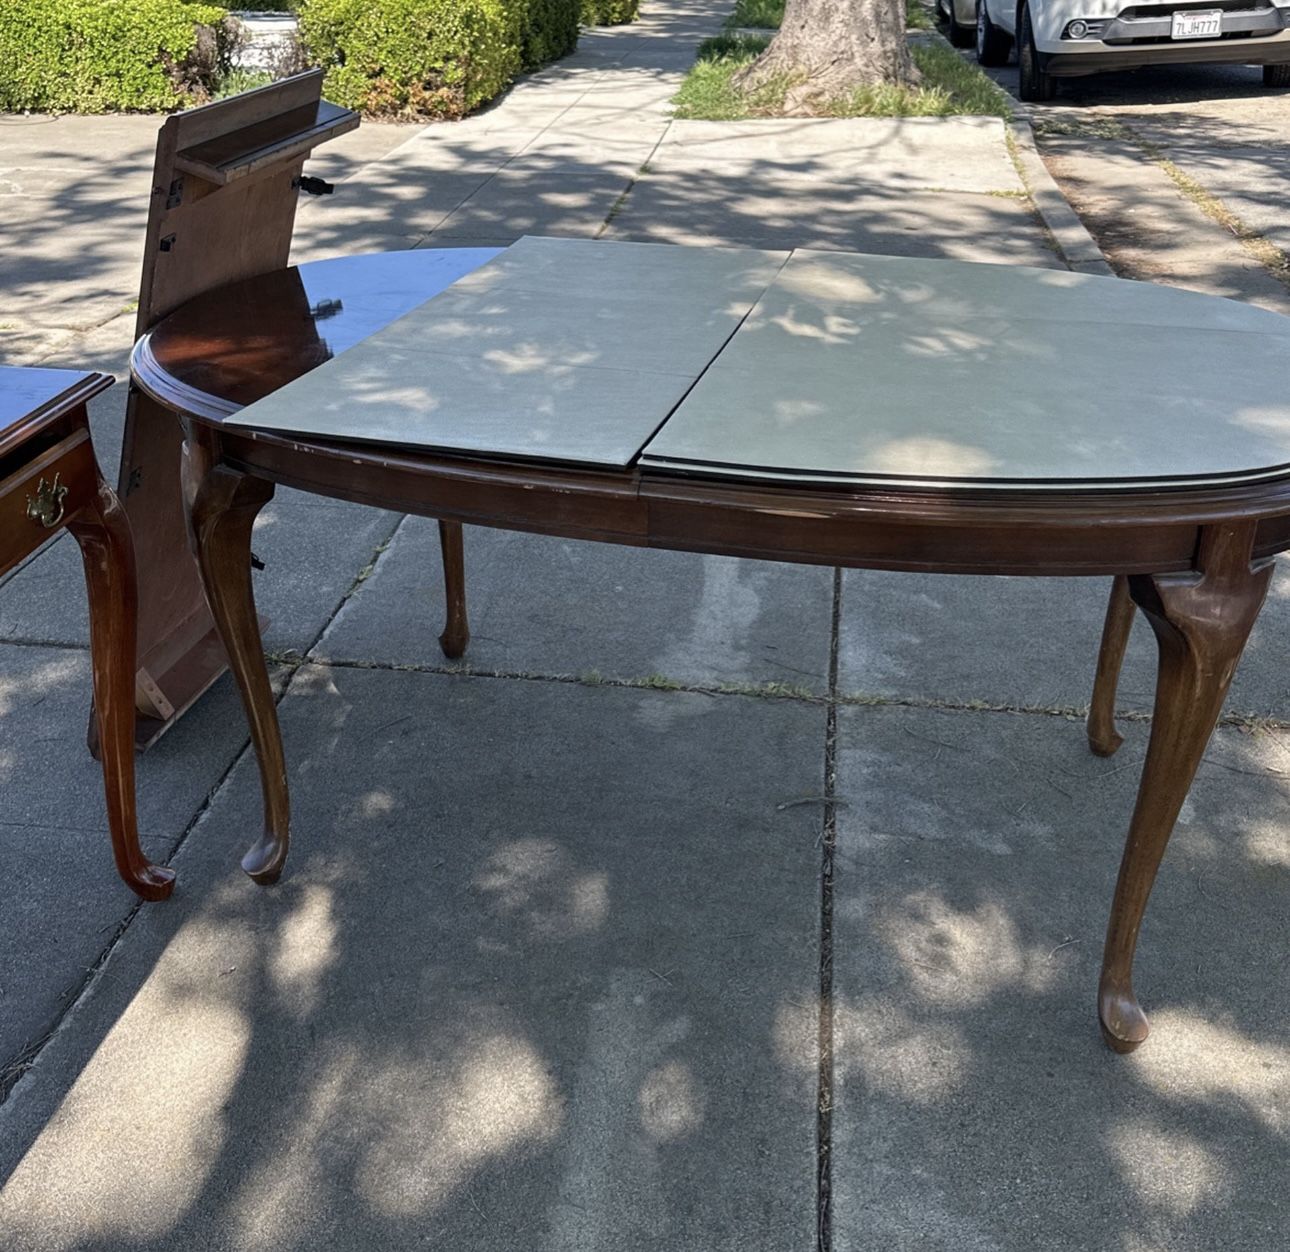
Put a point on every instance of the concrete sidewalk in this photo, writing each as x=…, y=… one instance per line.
x=701, y=880
x=589, y=148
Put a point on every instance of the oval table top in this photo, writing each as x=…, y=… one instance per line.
x=841, y=368
x=235, y=346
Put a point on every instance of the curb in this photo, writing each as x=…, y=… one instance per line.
x=1075, y=244
x=1078, y=248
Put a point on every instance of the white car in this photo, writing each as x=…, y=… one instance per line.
x=959, y=17
x=1066, y=38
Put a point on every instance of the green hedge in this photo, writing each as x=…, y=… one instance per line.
x=610, y=12
x=549, y=30
x=437, y=58
x=94, y=56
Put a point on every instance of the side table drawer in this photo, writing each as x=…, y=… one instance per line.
x=67, y=470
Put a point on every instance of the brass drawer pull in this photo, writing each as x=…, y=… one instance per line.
x=47, y=507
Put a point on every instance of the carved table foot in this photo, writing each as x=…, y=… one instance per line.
x=223, y=505
x=1201, y=621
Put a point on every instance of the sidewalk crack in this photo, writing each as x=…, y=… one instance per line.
x=617, y=207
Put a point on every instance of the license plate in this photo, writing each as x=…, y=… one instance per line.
x=1207, y=24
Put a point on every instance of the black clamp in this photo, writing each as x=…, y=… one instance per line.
x=324, y=309
x=313, y=186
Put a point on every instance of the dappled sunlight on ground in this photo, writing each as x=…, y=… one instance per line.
x=39, y=682
x=306, y=948
x=896, y=1055
x=471, y=1030
x=1195, y=1061
x=537, y=880
x=957, y=959
x=139, y=1131
x=1167, y=1168
x=497, y=1097
x=671, y=1102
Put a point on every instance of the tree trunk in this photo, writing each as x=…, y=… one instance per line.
x=831, y=47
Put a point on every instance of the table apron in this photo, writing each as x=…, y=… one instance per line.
x=917, y=534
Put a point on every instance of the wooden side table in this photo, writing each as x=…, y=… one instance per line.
x=49, y=480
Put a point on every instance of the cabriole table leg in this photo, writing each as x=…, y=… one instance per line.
x=456, y=631
x=1103, y=738
x=107, y=552
x=1201, y=621
x=223, y=505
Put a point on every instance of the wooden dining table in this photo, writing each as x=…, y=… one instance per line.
x=827, y=408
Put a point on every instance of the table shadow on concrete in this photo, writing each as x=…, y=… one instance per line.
x=535, y=978
x=64, y=902
x=552, y=606
x=1023, y=642
x=975, y=1104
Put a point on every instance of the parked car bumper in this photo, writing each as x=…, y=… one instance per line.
x=1093, y=57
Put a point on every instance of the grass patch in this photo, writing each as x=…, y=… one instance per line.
x=918, y=16
x=708, y=93
x=757, y=14
x=768, y=14
x=1067, y=126
x=951, y=85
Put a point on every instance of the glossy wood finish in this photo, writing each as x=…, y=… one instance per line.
x=1195, y=560
x=222, y=208
x=266, y=331
x=47, y=454
x=290, y=133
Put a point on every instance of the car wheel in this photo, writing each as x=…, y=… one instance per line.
x=992, y=44
x=1035, y=86
x=1276, y=75
x=960, y=36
